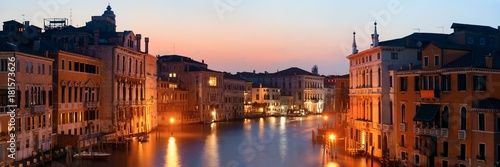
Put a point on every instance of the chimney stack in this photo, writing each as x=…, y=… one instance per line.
x=254, y=71
x=203, y=61
x=489, y=61
x=410, y=66
x=26, y=24
x=96, y=36
x=146, y=49
x=36, y=44
x=138, y=42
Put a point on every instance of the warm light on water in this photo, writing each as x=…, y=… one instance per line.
x=172, y=156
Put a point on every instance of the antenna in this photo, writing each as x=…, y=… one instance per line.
x=23, y=18
x=418, y=29
x=70, y=17
x=442, y=29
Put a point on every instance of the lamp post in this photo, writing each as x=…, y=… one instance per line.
x=326, y=121
x=332, y=143
x=171, y=123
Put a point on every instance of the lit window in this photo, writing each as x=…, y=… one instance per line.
x=212, y=81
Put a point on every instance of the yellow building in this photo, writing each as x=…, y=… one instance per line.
x=173, y=104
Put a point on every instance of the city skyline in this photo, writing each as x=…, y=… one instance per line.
x=264, y=36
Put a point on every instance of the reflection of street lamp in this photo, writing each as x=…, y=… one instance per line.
x=213, y=115
x=171, y=122
x=332, y=143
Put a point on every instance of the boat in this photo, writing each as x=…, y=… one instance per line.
x=144, y=138
x=92, y=155
x=208, y=121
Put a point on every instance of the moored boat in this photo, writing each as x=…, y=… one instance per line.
x=92, y=155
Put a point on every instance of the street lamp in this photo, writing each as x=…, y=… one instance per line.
x=332, y=143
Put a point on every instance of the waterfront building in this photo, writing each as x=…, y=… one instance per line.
x=34, y=93
x=234, y=97
x=173, y=104
x=205, y=86
x=266, y=99
x=447, y=111
x=371, y=91
x=305, y=88
x=337, y=98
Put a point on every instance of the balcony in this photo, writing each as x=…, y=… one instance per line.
x=402, y=126
x=461, y=134
x=386, y=128
x=429, y=94
x=418, y=129
x=37, y=109
x=90, y=104
x=444, y=132
x=480, y=157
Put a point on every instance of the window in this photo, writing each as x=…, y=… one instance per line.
x=394, y=56
x=43, y=69
x=69, y=94
x=70, y=64
x=212, y=81
x=27, y=65
x=498, y=152
x=482, y=151
x=498, y=125
x=426, y=61
x=379, y=142
x=480, y=83
x=257, y=97
x=416, y=83
x=444, y=163
x=18, y=65
x=470, y=40
x=62, y=64
x=415, y=144
x=463, y=118
x=404, y=156
x=27, y=143
x=31, y=68
x=378, y=56
x=403, y=84
x=482, y=41
x=481, y=121
x=3, y=64
x=462, y=152
x=445, y=149
x=403, y=113
x=446, y=83
x=390, y=81
x=416, y=159
x=77, y=66
x=462, y=82
x=419, y=55
x=402, y=140
x=50, y=69
x=436, y=60
x=444, y=117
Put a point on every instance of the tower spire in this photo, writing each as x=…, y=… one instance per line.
x=354, y=46
x=375, y=36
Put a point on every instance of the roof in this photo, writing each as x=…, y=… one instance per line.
x=233, y=77
x=196, y=68
x=474, y=28
x=257, y=85
x=476, y=59
x=488, y=103
x=293, y=71
x=177, y=58
x=426, y=112
x=412, y=40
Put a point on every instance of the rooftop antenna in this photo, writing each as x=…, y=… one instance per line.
x=23, y=18
x=418, y=29
x=442, y=29
x=70, y=17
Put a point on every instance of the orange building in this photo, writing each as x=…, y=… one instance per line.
x=173, y=103
x=447, y=110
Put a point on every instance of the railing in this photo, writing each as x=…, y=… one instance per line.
x=37, y=109
x=428, y=131
x=444, y=132
x=461, y=134
x=402, y=126
x=386, y=128
x=90, y=104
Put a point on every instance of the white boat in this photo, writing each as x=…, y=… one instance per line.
x=144, y=138
x=92, y=155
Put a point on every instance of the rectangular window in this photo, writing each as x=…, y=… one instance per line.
x=416, y=159
x=43, y=69
x=50, y=69
x=69, y=94
x=462, y=82
x=498, y=125
x=481, y=121
x=69, y=65
x=379, y=142
x=462, y=152
x=482, y=151
x=378, y=56
x=402, y=140
x=394, y=56
x=426, y=61
x=480, y=83
x=445, y=149
x=62, y=94
x=403, y=84
x=403, y=156
x=27, y=65
x=416, y=81
x=39, y=69
x=212, y=81
x=390, y=81
x=436, y=60
x=415, y=144
x=444, y=163
x=3, y=65
x=498, y=152
x=446, y=83
x=62, y=64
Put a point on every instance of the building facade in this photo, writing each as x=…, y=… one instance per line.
x=266, y=99
x=234, y=97
x=173, y=104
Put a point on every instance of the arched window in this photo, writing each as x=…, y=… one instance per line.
x=463, y=118
x=403, y=113
x=444, y=117
x=390, y=112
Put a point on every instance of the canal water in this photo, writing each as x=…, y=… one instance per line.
x=273, y=141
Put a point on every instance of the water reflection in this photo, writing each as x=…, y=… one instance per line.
x=210, y=155
x=172, y=157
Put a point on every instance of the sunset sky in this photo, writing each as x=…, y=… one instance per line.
x=264, y=35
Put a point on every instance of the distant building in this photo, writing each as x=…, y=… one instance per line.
x=234, y=97
x=266, y=99
x=337, y=98
x=173, y=103
x=305, y=88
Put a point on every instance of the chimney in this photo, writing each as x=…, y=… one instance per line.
x=96, y=36
x=36, y=44
x=489, y=61
x=146, y=47
x=203, y=61
x=138, y=42
x=26, y=24
x=254, y=71
x=410, y=66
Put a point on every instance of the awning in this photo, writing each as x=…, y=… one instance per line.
x=426, y=112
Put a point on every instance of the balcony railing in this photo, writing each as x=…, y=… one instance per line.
x=428, y=131
x=386, y=128
x=90, y=104
x=481, y=157
x=461, y=134
x=444, y=132
x=429, y=94
x=37, y=109
x=402, y=126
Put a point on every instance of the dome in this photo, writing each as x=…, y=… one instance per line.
x=108, y=12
